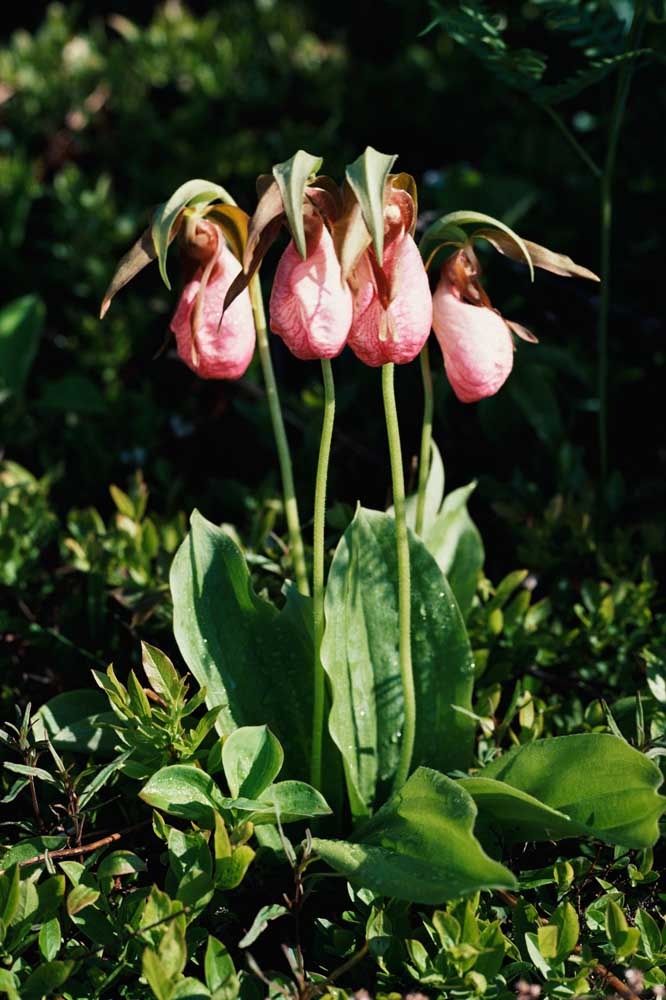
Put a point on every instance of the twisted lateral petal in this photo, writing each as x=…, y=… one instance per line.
x=475, y=341
x=391, y=327
x=310, y=307
x=209, y=352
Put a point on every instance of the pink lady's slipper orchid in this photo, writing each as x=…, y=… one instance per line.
x=210, y=348
x=392, y=303
x=475, y=340
x=310, y=305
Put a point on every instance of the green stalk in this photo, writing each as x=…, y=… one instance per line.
x=426, y=438
x=318, y=570
x=404, y=582
x=284, y=455
x=617, y=115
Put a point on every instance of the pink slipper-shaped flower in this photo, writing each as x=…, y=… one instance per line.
x=475, y=339
x=392, y=303
x=310, y=306
x=211, y=349
x=476, y=344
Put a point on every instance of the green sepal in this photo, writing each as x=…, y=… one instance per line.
x=164, y=228
x=367, y=177
x=292, y=178
x=444, y=228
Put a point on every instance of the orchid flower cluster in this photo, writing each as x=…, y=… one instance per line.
x=382, y=309
x=348, y=277
x=351, y=275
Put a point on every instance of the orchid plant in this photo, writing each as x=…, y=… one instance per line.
x=369, y=682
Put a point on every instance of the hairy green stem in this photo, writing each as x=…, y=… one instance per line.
x=617, y=115
x=404, y=581
x=284, y=455
x=426, y=437
x=318, y=571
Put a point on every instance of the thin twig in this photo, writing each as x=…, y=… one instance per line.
x=70, y=852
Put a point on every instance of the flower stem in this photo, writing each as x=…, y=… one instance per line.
x=318, y=570
x=404, y=582
x=426, y=438
x=284, y=455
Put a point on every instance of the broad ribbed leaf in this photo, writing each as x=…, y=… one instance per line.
x=367, y=177
x=455, y=542
x=449, y=533
x=292, y=177
x=420, y=846
x=360, y=656
x=588, y=783
x=254, y=661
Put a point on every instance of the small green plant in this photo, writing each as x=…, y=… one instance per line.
x=27, y=523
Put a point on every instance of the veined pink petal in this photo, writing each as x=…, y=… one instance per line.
x=212, y=353
x=394, y=326
x=310, y=307
x=475, y=341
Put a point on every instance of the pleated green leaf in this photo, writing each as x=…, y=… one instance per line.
x=360, y=656
x=420, y=846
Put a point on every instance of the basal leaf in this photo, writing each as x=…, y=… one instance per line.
x=360, y=656
x=588, y=783
x=254, y=661
x=420, y=846
x=449, y=533
x=455, y=542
